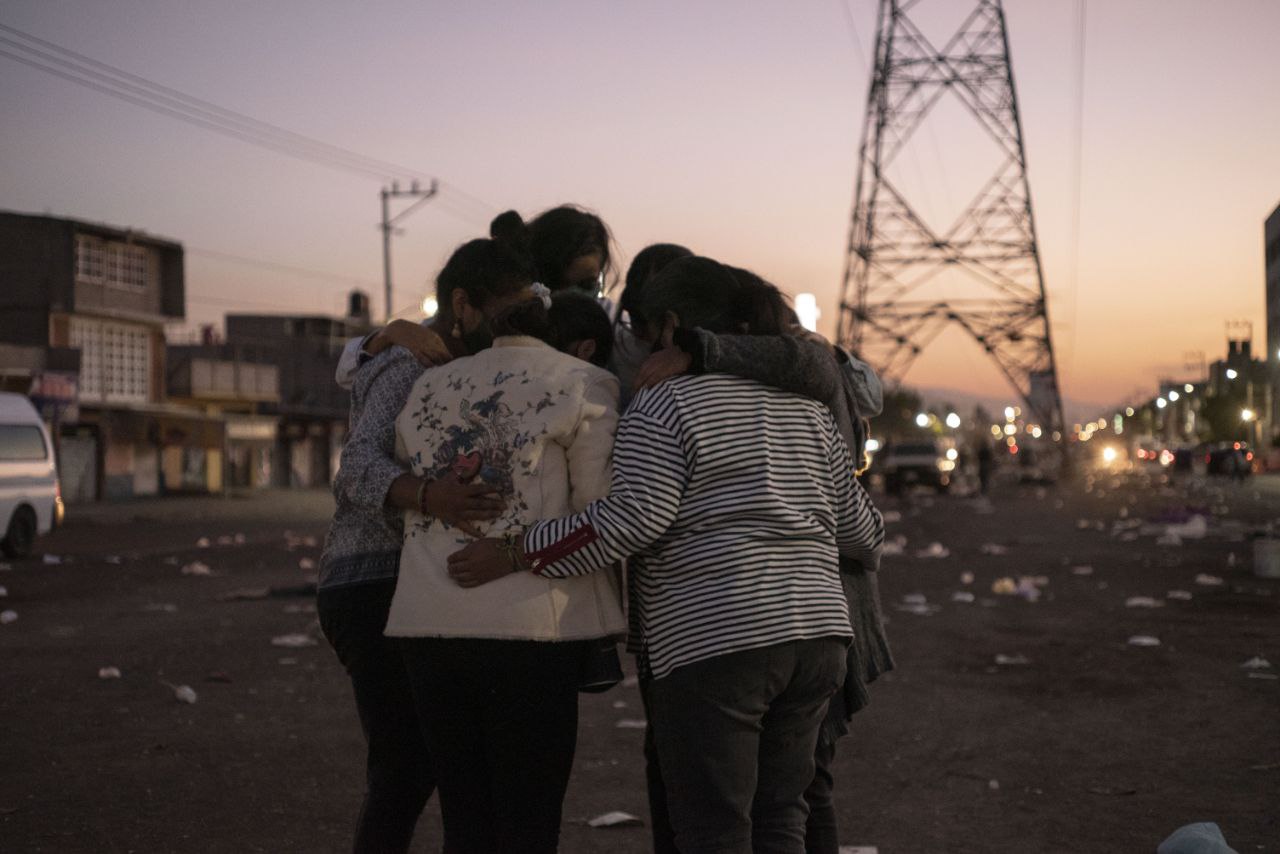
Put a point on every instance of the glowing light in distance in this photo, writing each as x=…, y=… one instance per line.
x=1173, y=395
x=1036, y=432
x=953, y=420
x=1161, y=403
x=996, y=431
x=1009, y=429
x=1109, y=455
x=430, y=306
x=922, y=420
x=873, y=445
x=808, y=312
x=1188, y=388
x=1232, y=374
x=953, y=454
x=1246, y=414
x=1128, y=410
x=1008, y=413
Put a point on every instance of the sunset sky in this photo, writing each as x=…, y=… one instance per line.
x=729, y=127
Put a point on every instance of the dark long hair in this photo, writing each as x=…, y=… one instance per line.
x=561, y=235
x=487, y=267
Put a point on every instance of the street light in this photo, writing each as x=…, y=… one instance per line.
x=1173, y=396
x=430, y=306
x=922, y=420
x=953, y=420
x=1161, y=403
x=1188, y=388
x=1247, y=415
x=1232, y=374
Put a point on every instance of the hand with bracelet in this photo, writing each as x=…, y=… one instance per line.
x=448, y=499
x=488, y=560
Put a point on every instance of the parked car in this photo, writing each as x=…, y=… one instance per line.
x=924, y=463
x=1230, y=460
x=30, y=497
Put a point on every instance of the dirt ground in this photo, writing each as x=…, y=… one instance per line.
x=1090, y=745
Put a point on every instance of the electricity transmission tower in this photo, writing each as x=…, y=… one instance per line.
x=907, y=279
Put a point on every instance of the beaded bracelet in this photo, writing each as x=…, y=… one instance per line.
x=508, y=546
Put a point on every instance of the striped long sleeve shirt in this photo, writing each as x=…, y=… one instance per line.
x=738, y=499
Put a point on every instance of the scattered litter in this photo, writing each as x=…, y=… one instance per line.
x=309, y=542
x=615, y=819
x=962, y=596
x=4, y=567
x=1181, y=595
x=286, y=661
x=1142, y=602
x=196, y=568
x=238, y=539
x=202, y=543
x=244, y=593
x=619, y=704
x=891, y=516
x=7, y=617
x=630, y=682
x=1194, y=528
x=1001, y=658
x=114, y=560
x=1112, y=790
x=1256, y=675
x=172, y=560
x=308, y=608
x=1082, y=524
x=993, y=549
x=896, y=546
x=918, y=604
x=1004, y=586
x=1200, y=838
x=108, y=672
x=224, y=540
x=859, y=849
x=1169, y=539
x=1231, y=559
x=993, y=785
x=966, y=578
x=293, y=641
x=1206, y=580
x=1144, y=640
x=184, y=693
x=166, y=607
x=218, y=676
x=631, y=723
x=1257, y=663
x=306, y=563
x=51, y=560
x=934, y=550
x=914, y=599
x=1082, y=570
x=4, y=591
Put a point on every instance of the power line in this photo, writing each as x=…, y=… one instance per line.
x=277, y=267
x=106, y=79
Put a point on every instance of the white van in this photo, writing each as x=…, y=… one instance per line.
x=30, y=497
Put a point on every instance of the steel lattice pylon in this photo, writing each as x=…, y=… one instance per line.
x=894, y=301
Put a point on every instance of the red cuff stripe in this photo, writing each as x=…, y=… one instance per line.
x=578, y=539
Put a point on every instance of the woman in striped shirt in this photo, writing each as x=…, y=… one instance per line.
x=737, y=500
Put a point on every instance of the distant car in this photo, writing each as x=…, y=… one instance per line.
x=922, y=463
x=1233, y=459
x=30, y=497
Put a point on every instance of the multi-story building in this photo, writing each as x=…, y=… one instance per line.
x=82, y=313
x=312, y=409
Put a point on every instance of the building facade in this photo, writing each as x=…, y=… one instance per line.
x=1271, y=234
x=84, y=308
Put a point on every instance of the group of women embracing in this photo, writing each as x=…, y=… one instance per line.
x=528, y=480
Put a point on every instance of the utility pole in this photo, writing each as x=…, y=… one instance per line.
x=388, y=225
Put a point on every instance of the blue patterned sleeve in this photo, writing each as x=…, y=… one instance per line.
x=369, y=465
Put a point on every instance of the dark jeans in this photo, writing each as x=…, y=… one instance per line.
x=821, y=831
x=735, y=736
x=664, y=838
x=501, y=718
x=400, y=776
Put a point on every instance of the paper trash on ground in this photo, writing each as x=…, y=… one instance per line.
x=197, y=568
x=1206, y=580
x=934, y=550
x=1142, y=602
x=7, y=617
x=108, y=672
x=1144, y=640
x=615, y=819
x=1257, y=663
x=631, y=723
x=293, y=641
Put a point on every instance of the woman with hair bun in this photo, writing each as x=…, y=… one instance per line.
x=361, y=556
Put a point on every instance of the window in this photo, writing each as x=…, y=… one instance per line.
x=90, y=258
x=115, y=361
x=22, y=442
x=113, y=263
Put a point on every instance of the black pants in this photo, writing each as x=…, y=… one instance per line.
x=400, y=775
x=735, y=736
x=821, y=831
x=501, y=719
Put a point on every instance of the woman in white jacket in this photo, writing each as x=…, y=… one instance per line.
x=495, y=669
